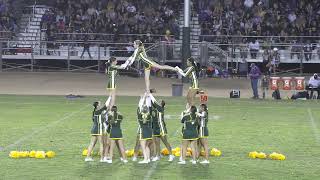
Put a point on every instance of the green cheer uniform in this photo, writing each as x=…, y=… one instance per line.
x=203, y=126
x=155, y=122
x=141, y=55
x=182, y=115
x=112, y=74
x=191, y=73
x=145, y=125
x=159, y=123
x=115, y=120
x=98, y=126
x=190, y=124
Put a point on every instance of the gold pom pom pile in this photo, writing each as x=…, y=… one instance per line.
x=50, y=154
x=272, y=156
x=31, y=154
x=215, y=152
x=40, y=155
x=130, y=152
x=165, y=152
x=277, y=156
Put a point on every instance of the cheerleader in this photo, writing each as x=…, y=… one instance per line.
x=115, y=119
x=112, y=73
x=97, y=130
x=203, y=131
x=192, y=72
x=190, y=134
x=140, y=54
x=159, y=129
x=145, y=134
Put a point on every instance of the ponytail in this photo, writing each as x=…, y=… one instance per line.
x=205, y=108
x=163, y=103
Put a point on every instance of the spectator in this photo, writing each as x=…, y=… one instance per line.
x=275, y=60
x=307, y=50
x=243, y=50
x=314, y=84
x=296, y=49
x=254, y=47
x=86, y=47
x=254, y=75
x=248, y=3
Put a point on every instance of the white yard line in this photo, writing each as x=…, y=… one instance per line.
x=44, y=128
x=155, y=164
x=314, y=126
x=234, y=107
x=170, y=116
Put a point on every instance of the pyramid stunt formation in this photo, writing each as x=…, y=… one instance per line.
x=152, y=128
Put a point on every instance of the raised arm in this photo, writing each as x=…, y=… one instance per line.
x=155, y=103
x=98, y=112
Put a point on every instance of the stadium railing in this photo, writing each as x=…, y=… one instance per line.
x=214, y=53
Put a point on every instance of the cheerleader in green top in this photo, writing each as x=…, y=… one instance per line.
x=191, y=72
x=190, y=134
x=115, y=119
x=142, y=102
x=159, y=128
x=140, y=55
x=203, y=132
x=97, y=130
x=112, y=73
x=145, y=134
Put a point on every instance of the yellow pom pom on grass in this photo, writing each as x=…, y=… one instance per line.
x=85, y=152
x=129, y=153
x=281, y=157
x=32, y=154
x=261, y=155
x=177, y=153
x=24, y=154
x=215, y=152
x=50, y=154
x=40, y=155
x=165, y=152
x=14, y=154
x=253, y=154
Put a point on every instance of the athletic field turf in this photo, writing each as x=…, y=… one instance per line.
x=236, y=127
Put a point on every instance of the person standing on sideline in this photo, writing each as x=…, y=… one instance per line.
x=86, y=47
x=314, y=85
x=254, y=74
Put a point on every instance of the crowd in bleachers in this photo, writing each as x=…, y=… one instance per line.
x=279, y=18
x=260, y=17
x=8, y=21
x=112, y=17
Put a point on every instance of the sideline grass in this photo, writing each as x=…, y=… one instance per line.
x=241, y=125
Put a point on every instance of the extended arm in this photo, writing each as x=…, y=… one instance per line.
x=184, y=74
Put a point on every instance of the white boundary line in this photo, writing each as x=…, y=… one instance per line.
x=235, y=107
x=314, y=126
x=155, y=164
x=38, y=130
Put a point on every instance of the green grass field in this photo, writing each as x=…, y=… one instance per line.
x=238, y=127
